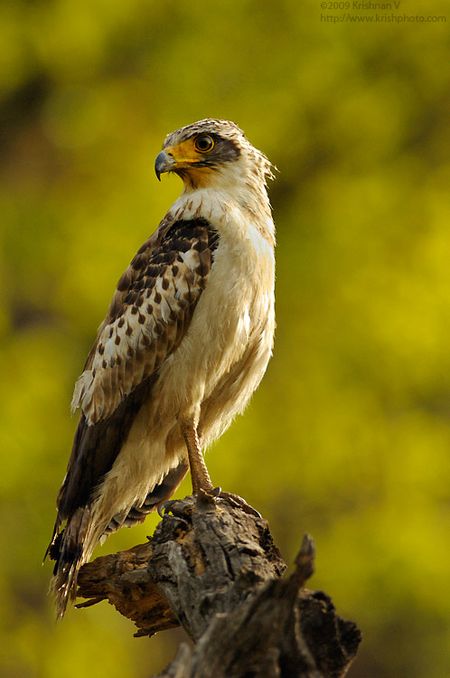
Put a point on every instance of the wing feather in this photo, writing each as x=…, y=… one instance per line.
x=148, y=316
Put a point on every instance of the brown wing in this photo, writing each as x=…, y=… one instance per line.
x=149, y=315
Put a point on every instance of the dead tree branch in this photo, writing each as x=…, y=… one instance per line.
x=213, y=568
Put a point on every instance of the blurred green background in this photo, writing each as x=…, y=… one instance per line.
x=348, y=436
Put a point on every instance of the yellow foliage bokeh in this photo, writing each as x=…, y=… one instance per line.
x=349, y=433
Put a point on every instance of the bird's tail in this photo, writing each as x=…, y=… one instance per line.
x=68, y=550
x=73, y=545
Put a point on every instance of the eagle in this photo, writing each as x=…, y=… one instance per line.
x=185, y=343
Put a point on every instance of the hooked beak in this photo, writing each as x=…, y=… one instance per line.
x=164, y=162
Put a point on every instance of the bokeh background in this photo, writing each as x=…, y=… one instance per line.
x=348, y=437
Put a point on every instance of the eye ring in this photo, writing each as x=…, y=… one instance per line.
x=204, y=143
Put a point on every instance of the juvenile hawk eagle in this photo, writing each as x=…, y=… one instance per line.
x=185, y=343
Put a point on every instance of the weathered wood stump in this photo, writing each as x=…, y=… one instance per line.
x=213, y=568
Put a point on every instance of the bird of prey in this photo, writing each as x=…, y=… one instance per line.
x=185, y=343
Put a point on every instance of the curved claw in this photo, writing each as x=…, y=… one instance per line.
x=164, y=507
x=177, y=507
x=236, y=500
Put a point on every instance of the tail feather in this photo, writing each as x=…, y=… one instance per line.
x=68, y=550
x=72, y=546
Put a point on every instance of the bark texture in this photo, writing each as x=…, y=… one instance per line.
x=213, y=568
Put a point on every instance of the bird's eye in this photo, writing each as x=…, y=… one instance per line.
x=204, y=143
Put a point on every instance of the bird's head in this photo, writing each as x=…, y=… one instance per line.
x=212, y=153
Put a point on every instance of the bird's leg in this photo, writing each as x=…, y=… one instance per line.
x=201, y=482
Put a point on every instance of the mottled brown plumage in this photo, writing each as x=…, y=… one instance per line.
x=153, y=304
x=184, y=344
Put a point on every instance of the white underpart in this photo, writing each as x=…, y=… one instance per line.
x=211, y=376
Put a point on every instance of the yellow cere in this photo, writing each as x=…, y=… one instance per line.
x=184, y=153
